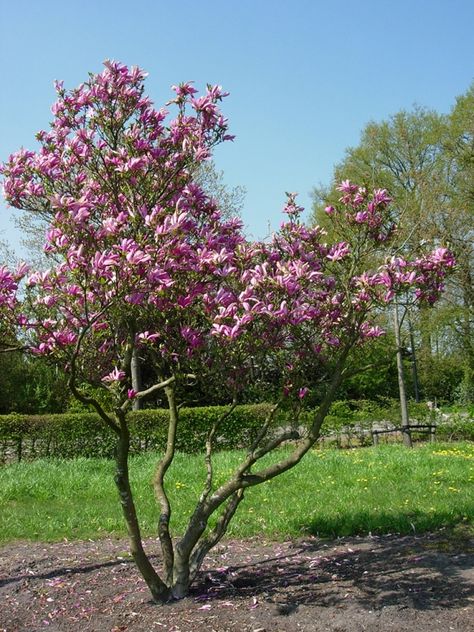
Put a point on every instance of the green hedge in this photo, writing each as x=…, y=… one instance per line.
x=456, y=427
x=85, y=434
x=354, y=419
x=364, y=413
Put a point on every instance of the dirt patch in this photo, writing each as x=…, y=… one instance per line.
x=421, y=582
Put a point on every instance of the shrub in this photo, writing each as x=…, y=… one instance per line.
x=84, y=434
x=456, y=427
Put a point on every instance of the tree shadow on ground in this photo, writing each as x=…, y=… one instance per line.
x=55, y=571
x=413, y=572
x=421, y=572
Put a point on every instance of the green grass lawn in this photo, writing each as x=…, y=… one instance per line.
x=387, y=489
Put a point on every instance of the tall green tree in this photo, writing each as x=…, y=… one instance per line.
x=458, y=226
x=425, y=161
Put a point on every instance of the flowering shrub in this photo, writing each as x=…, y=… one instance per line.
x=142, y=263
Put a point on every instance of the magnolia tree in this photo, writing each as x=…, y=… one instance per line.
x=142, y=262
x=9, y=283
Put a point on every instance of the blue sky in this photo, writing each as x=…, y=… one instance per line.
x=305, y=76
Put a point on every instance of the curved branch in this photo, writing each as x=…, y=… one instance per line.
x=266, y=424
x=160, y=492
x=242, y=478
x=84, y=399
x=149, y=391
x=208, y=458
x=216, y=535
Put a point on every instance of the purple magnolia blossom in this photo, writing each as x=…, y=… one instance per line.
x=291, y=208
x=135, y=235
x=303, y=392
x=114, y=376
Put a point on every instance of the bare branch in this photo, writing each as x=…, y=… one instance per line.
x=9, y=349
x=149, y=391
x=208, y=458
x=269, y=418
x=158, y=483
x=242, y=477
x=84, y=399
x=217, y=533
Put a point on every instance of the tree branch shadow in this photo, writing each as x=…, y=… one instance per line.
x=421, y=572
x=64, y=571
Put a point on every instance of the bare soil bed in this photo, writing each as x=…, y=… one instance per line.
x=418, y=582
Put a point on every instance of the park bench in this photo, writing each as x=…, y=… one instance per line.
x=429, y=429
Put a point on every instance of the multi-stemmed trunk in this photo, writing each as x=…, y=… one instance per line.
x=158, y=588
x=182, y=560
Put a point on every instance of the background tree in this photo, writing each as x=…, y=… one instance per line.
x=421, y=158
x=458, y=227
x=229, y=199
x=31, y=385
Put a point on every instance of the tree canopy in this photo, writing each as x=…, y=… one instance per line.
x=425, y=162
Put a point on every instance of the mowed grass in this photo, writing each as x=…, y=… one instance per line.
x=387, y=489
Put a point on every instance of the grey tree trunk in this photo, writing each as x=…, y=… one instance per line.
x=414, y=362
x=135, y=370
x=401, y=380
x=159, y=590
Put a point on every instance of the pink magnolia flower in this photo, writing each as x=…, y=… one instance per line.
x=347, y=187
x=287, y=389
x=21, y=270
x=192, y=337
x=291, y=208
x=146, y=336
x=381, y=196
x=184, y=89
x=371, y=331
x=303, y=392
x=339, y=251
x=114, y=376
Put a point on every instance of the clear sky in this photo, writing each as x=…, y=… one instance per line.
x=305, y=76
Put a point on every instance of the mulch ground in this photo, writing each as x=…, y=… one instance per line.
x=420, y=582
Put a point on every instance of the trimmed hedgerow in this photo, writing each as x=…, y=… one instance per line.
x=85, y=434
